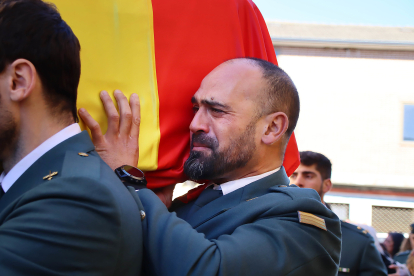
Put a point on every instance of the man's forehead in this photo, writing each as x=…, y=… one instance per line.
x=303, y=168
x=234, y=80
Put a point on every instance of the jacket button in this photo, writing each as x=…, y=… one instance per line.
x=282, y=186
x=142, y=214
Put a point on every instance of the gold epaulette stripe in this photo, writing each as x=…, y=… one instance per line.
x=311, y=219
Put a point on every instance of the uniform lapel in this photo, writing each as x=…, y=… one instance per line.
x=51, y=161
x=226, y=202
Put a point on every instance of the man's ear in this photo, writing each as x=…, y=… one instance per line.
x=23, y=79
x=276, y=125
x=326, y=185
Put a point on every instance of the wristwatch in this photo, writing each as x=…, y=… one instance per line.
x=131, y=176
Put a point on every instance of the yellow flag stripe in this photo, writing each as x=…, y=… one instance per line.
x=117, y=41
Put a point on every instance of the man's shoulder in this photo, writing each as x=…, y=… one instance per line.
x=87, y=171
x=293, y=192
x=72, y=170
x=355, y=234
x=290, y=199
x=88, y=166
x=82, y=164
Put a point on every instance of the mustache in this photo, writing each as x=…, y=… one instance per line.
x=203, y=139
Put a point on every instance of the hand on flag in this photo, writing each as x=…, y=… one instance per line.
x=119, y=145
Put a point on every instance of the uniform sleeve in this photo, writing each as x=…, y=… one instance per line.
x=371, y=262
x=66, y=227
x=272, y=245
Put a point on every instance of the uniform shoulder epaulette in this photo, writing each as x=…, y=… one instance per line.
x=81, y=164
x=355, y=228
x=311, y=219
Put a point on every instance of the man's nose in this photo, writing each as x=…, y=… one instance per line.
x=199, y=122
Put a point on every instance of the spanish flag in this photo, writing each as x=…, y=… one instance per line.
x=161, y=50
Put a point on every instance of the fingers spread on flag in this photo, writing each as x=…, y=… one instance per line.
x=93, y=125
x=136, y=116
x=124, y=112
x=111, y=113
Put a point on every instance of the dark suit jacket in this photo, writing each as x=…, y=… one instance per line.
x=254, y=230
x=359, y=255
x=82, y=222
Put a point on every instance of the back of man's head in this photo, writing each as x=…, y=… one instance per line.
x=323, y=164
x=279, y=94
x=34, y=30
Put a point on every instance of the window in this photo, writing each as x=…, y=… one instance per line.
x=408, y=134
x=392, y=219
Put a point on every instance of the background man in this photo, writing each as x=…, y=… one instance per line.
x=359, y=255
x=249, y=222
x=62, y=209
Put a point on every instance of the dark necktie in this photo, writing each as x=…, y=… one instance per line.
x=208, y=195
x=1, y=192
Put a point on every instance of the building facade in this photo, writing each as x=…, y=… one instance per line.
x=356, y=85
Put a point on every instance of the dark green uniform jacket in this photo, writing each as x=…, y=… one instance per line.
x=402, y=256
x=81, y=222
x=359, y=256
x=254, y=230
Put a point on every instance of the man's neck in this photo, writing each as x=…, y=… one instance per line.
x=253, y=171
x=30, y=136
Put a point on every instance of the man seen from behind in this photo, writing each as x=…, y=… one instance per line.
x=62, y=209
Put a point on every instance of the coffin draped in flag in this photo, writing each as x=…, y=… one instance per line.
x=162, y=50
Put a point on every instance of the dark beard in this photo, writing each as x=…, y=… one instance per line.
x=201, y=165
x=8, y=136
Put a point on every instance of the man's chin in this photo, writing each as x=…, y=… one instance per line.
x=200, y=153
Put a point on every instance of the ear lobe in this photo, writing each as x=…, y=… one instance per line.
x=23, y=79
x=277, y=124
x=327, y=185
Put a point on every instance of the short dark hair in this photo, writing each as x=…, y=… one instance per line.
x=281, y=93
x=323, y=164
x=397, y=238
x=34, y=30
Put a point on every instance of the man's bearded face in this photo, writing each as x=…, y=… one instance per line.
x=8, y=129
x=214, y=163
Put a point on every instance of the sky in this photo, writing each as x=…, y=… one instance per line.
x=396, y=13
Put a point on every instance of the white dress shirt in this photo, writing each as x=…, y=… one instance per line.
x=231, y=186
x=7, y=180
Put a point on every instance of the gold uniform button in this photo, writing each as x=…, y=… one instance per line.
x=359, y=228
x=83, y=154
x=143, y=215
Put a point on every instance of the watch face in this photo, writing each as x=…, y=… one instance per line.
x=133, y=172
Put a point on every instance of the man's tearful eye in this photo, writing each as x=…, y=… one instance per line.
x=195, y=109
x=215, y=110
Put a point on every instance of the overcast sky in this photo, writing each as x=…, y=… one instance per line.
x=352, y=12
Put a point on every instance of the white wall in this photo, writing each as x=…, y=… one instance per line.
x=351, y=111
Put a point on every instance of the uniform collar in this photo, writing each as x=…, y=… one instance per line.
x=7, y=180
x=231, y=186
x=256, y=189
